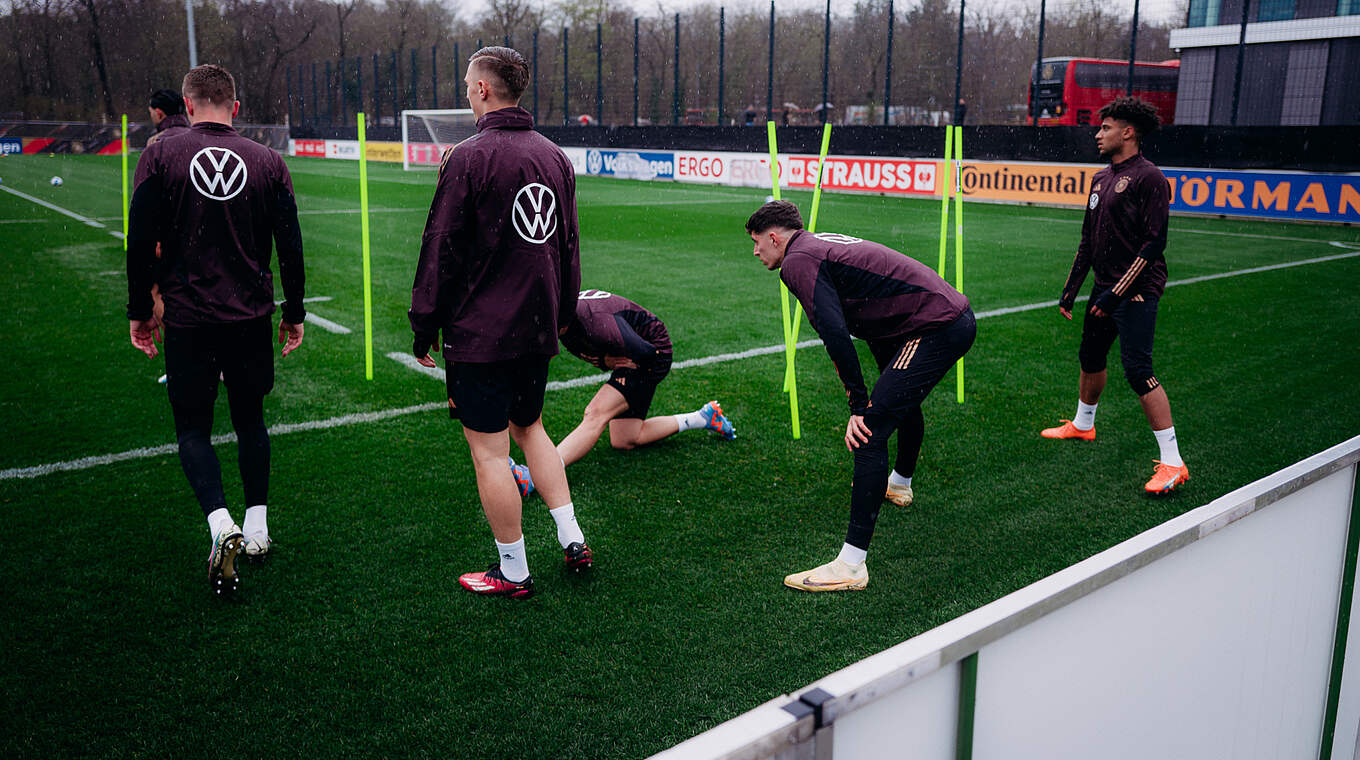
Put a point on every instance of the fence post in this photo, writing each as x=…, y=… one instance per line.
x=344, y=91
x=722, y=55
x=412, y=101
x=315, y=100
x=769, y=78
x=458, y=66
x=377, y=93
x=1241, y=53
x=887, y=77
x=826, y=59
x=675, y=78
x=1037, y=77
x=566, y=80
x=455, y=98
x=1133, y=46
x=396, y=91
x=434, y=76
x=330, y=105
x=359, y=82
x=599, y=73
x=958, y=69
x=288, y=81
x=635, y=71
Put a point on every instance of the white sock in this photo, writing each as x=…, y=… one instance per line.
x=568, y=532
x=1086, y=415
x=514, y=563
x=897, y=480
x=691, y=421
x=255, y=521
x=852, y=555
x=219, y=522
x=1171, y=453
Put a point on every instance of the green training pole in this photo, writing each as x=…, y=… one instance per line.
x=958, y=232
x=363, y=232
x=127, y=202
x=812, y=228
x=792, y=388
x=944, y=193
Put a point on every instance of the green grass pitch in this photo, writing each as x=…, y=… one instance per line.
x=355, y=639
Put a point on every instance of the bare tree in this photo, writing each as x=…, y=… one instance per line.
x=96, y=40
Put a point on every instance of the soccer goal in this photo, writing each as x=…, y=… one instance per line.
x=426, y=134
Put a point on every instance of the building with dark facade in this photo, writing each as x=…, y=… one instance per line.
x=1300, y=63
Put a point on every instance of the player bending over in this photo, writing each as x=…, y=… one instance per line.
x=616, y=334
x=916, y=326
x=1123, y=239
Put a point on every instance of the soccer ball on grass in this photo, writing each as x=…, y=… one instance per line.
x=56, y=182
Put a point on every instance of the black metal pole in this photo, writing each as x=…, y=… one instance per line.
x=434, y=76
x=826, y=59
x=599, y=73
x=769, y=77
x=958, y=68
x=329, y=102
x=344, y=93
x=635, y=71
x=411, y=100
x=1241, y=55
x=887, y=78
x=675, y=78
x=722, y=55
x=566, y=79
x=377, y=95
x=458, y=66
x=535, y=103
x=316, y=117
x=507, y=40
x=396, y=92
x=1133, y=46
x=1038, y=68
x=358, y=83
x=288, y=81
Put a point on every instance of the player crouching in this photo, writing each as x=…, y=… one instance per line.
x=613, y=333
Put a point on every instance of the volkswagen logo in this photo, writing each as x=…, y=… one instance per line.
x=534, y=213
x=594, y=162
x=217, y=173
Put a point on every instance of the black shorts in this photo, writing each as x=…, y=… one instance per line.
x=487, y=397
x=1134, y=323
x=908, y=371
x=241, y=354
x=638, y=386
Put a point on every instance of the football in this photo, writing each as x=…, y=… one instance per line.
x=56, y=182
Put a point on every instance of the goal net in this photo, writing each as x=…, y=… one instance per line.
x=426, y=134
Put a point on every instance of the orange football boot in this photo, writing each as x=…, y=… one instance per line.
x=1068, y=430
x=1166, y=477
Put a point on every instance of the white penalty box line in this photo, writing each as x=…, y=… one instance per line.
x=85, y=463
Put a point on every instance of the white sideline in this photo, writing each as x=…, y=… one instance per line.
x=326, y=324
x=410, y=361
x=60, y=210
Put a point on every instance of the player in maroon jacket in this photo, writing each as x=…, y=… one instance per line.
x=498, y=273
x=216, y=204
x=613, y=333
x=1123, y=239
x=916, y=326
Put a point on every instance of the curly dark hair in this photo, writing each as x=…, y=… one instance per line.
x=1139, y=114
x=775, y=214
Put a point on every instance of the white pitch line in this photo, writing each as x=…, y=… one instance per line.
x=315, y=212
x=1179, y=230
x=60, y=210
x=326, y=324
x=410, y=361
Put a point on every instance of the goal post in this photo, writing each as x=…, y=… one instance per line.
x=426, y=134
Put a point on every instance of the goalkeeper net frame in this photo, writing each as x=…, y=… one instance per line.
x=426, y=134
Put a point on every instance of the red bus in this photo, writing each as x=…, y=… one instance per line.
x=1071, y=90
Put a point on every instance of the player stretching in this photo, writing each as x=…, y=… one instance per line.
x=216, y=202
x=916, y=326
x=616, y=334
x=1123, y=239
x=498, y=273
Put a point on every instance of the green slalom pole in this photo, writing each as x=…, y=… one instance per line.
x=792, y=388
x=958, y=233
x=127, y=202
x=812, y=228
x=363, y=232
x=944, y=194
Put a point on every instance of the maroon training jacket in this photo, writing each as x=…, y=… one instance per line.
x=500, y=258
